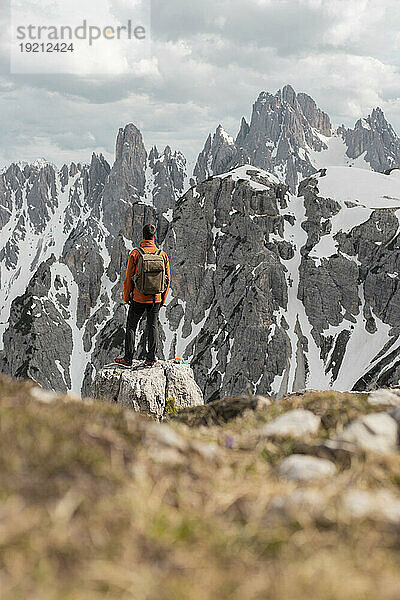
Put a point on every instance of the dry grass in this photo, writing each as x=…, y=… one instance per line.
x=91, y=508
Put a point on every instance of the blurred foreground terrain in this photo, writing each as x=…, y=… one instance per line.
x=241, y=498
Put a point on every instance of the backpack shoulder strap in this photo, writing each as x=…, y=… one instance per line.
x=159, y=252
x=140, y=250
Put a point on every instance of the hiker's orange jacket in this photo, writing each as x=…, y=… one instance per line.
x=150, y=247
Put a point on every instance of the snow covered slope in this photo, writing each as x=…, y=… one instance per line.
x=367, y=189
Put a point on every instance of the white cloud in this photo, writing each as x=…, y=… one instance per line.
x=209, y=62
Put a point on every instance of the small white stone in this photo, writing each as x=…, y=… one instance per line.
x=376, y=432
x=295, y=423
x=163, y=435
x=167, y=456
x=207, y=450
x=262, y=400
x=302, y=498
x=384, y=396
x=42, y=395
x=299, y=467
x=381, y=504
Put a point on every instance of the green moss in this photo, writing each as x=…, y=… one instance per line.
x=171, y=408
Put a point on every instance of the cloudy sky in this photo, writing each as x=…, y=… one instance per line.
x=207, y=63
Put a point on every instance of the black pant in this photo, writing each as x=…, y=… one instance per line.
x=136, y=310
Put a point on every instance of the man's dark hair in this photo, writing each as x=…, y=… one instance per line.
x=149, y=231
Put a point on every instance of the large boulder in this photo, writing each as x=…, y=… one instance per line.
x=158, y=390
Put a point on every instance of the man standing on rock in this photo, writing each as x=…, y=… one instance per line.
x=147, y=280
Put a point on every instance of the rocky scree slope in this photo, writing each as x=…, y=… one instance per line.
x=97, y=499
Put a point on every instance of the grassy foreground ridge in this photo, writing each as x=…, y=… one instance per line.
x=100, y=502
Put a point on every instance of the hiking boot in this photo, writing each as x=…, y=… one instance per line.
x=122, y=362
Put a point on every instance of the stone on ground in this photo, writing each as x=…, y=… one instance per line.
x=295, y=423
x=376, y=504
x=146, y=389
x=165, y=445
x=300, y=467
x=384, y=396
x=376, y=431
x=310, y=501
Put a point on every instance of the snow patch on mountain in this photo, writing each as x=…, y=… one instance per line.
x=367, y=189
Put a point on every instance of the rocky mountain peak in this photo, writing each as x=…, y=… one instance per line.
x=169, y=176
x=374, y=141
x=98, y=172
x=375, y=121
x=153, y=156
x=130, y=163
x=219, y=154
x=221, y=134
x=242, y=133
x=167, y=152
x=289, y=95
x=264, y=97
x=378, y=116
x=129, y=143
x=288, y=134
x=282, y=130
x=314, y=115
x=97, y=162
